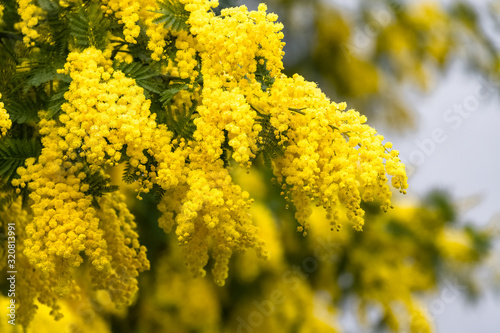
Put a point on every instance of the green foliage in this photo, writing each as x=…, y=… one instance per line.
x=130, y=174
x=13, y=153
x=262, y=74
x=137, y=71
x=167, y=95
x=158, y=192
x=466, y=14
x=439, y=200
x=89, y=27
x=99, y=183
x=145, y=76
x=8, y=194
x=173, y=15
x=23, y=111
x=268, y=144
x=182, y=124
x=481, y=239
x=56, y=101
x=49, y=5
x=45, y=72
x=39, y=69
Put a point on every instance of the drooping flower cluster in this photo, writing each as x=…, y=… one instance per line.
x=30, y=285
x=30, y=15
x=1, y=14
x=209, y=206
x=128, y=257
x=127, y=14
x=65, y=224
x=105, y=112
x=330, y=155
x=5, y=122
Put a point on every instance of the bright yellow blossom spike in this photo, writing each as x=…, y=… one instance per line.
x=5, y=122
x=1, y=14
x=30, y=14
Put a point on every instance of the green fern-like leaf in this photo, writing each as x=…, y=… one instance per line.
x=145, y=76
x=56, y=101
x=182, y=123
x=262, y=74
x=173, y=15
x=7, y=199
x=268, y=144
x=7, y=194
x=49, y=5
x=39, y=68
x=137, y=71
x=167, y=95
x=88, y=27
x=99, y=183
x=13, y=153
x=23, y=112
x=129, y=174
x=42, y=75
x=46, y=72
x=158, y=192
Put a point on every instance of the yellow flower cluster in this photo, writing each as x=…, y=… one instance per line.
x=126, y=11
x=331, y=155
x=230, y=44
x=431, y=17
x=422, y=237
x=1, y=14
x=128, y=257
x=231, y=47
x=179, y=302
x=456, y=245
x=5, y=122
x=105, y=111
x=156, y=34
x=171, y=156
x=235, y=116
x=31, y=286
x=209, y=206
x=186, y=56
x=66, y=224
x=77, y=318
x=30, y=14
x=134, y=13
